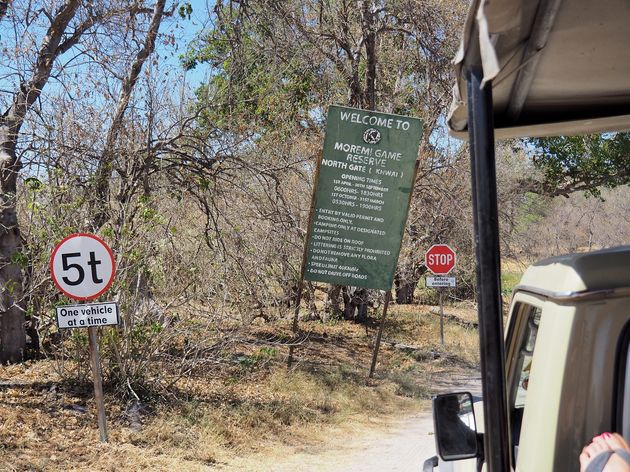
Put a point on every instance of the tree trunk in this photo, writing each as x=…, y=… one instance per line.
x=4, y=5
x=100, y=193
x=406, y=280
x=355, y=301
x=12, y=334
x=333, y=307
x=404, y=292
x=369, y=35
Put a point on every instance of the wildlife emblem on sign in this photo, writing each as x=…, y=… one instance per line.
x=372, y=136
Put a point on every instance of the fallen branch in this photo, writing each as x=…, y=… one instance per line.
x=454, y=318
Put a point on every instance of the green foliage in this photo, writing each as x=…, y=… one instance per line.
x=583, y=163
x=407, y=384
x=33, y=183
x=247, y=85
x=185, y=10
x=19, y=258
x=262, y=357
x=509, y=280
x=532, y=210
x=12, y=287
x=79, y=337
x=279, y=64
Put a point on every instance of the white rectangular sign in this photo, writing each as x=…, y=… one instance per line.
x=440, y=282
x=84, y=316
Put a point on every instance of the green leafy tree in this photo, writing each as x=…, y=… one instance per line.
x=275, y=66
x=582, y=163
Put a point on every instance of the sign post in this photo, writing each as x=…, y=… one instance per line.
x=440, y=259
x=82, y=266
x=97, y=377
x=296, y=314
x=379, y=335
x=361, y=200
x=388, y=297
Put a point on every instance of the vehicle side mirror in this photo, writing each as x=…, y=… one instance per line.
x=455, y=427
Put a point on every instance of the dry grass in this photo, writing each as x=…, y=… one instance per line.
x=240, y=407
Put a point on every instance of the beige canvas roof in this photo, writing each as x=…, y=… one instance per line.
x=557, y=67
x=580, y=272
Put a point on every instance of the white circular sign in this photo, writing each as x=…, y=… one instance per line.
x=82, y=266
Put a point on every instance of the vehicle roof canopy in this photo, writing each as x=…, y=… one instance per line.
x=557, y=67
x=581, y=272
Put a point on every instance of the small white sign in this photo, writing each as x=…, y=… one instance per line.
x=85, y=316
x=440, y=282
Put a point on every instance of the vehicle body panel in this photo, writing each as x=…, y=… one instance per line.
x=574, y=380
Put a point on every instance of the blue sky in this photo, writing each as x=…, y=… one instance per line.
x=188, y=31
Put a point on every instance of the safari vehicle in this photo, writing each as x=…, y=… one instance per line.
x=544, y=68
x=567, y=366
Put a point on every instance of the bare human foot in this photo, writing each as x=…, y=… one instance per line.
x=616, y=464
x=616, y=441
x=597, y=446
x=600, y=455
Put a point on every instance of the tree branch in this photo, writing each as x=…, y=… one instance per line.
x=30, y=91
x=101, y=193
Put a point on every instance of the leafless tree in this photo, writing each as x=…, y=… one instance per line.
x=48, y=38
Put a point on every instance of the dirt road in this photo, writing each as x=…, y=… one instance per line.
x=390, y=445
x=397, y=445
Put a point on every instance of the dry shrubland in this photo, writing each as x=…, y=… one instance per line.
x=241, y=401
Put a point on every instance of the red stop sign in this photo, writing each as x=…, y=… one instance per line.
x=440, y=259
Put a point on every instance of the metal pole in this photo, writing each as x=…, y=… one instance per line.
x=98, y=383
x=388, y=296
x=441, y=292
x=486, y=221
x=296, y=315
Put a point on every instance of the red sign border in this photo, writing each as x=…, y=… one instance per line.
x=111, y=255
x=454, y=262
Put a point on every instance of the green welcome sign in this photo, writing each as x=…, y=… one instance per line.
x=362, y=197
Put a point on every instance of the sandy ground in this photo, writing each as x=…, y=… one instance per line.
x=396, y=445
x=389, y=445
